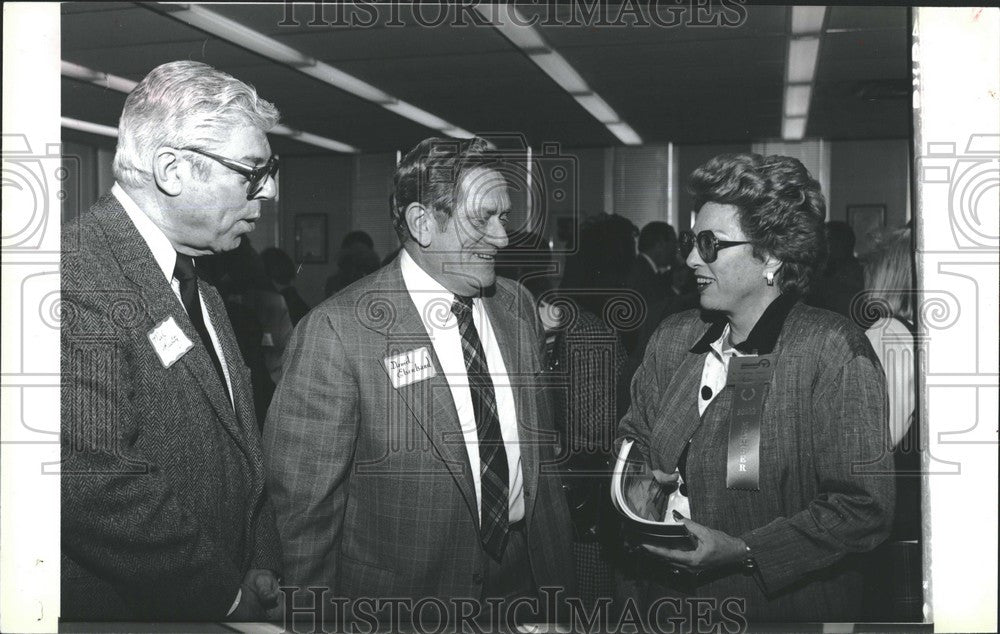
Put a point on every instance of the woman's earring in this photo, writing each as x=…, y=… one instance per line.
x=769, y=276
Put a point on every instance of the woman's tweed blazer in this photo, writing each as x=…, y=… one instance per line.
x=826, y=490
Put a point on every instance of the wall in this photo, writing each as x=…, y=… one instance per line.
x=315, y=185
x=870, y=173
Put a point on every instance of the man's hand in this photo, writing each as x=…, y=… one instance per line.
x=260, y=594
x=714, y=549
x=265, y=586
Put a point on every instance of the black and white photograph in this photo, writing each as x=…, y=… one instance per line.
x=661, y=316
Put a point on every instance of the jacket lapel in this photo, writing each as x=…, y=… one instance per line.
x=517, y=349
x=138, y=265
x=389, y=310
x=676, y=414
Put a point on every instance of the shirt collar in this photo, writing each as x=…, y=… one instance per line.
x=156, y=240
x=426, y=292
x=764, y=335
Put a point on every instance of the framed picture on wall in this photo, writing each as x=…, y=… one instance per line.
x=310, y=239
x=867, y=222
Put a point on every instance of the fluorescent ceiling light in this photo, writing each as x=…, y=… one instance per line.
x=87, y=126
x=240, y=35
x=802, y=55
x=414, y=113
x=625, y=133
x=797, y=97
x=104, y=80
x=807, y=20
x=793, y=128
x=509, y=21
x=69, y=69
x=348, y=83
x=511, y=24
x=561, y=72
x=597, y=107
x=457, y=133
x=237, y=33
x=314, y=139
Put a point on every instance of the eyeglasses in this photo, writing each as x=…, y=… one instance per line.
x=708, y=245
x=256, y=176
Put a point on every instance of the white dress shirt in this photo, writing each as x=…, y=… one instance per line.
x=716, y=369
x=433, y=303
x=166, y=258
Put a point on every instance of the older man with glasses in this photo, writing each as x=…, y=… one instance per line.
x=163, y=508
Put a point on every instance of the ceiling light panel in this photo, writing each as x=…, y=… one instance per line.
x=106, y=80
x=802, y=55
x=512, y=24
x=797, y=98
x=236, y=33
x=807, y=20
x=793, y=128
x=87, y=126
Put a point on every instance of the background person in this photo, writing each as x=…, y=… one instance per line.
x=357, y=259
x=583, y=359
x=775, y=527
x=281, y=270
x=164, y=515
x=841, y=279
x=651, y=272
x=896, y=569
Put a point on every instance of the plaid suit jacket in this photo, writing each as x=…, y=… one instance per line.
x=163, y=507
x=826, y=487
x=372, y=484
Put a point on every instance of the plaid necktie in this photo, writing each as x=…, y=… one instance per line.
x=188, y=278
x=492, y=455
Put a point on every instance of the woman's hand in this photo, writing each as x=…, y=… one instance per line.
x=714, y=549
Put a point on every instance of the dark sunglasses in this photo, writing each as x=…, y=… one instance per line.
x=708, y=245
x=255, y=175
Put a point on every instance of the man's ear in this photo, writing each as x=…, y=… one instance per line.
x=169, y=171
x=420, y=222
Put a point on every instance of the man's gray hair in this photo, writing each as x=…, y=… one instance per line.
x=181, y=104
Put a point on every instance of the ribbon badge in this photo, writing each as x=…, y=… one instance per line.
x=749, y=377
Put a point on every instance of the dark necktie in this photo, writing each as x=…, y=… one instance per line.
x=492, y=454
x=185, y=274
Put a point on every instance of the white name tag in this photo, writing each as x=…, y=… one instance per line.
x=169, y=341
x=409, y=367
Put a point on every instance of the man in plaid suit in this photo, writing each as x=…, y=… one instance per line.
x=407, y=443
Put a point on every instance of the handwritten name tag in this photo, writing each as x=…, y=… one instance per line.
x=169, y=341
x=409, y=367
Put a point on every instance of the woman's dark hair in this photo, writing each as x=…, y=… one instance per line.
x=781, y=210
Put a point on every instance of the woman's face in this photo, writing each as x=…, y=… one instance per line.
x=734, y=283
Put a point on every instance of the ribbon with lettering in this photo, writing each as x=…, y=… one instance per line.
x=749, y=377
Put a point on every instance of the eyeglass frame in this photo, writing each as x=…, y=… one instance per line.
x=256, y=176
x=689, y=240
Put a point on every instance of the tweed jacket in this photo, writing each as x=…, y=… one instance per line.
x=372, y=484
x=163, y=506
x=824, y=489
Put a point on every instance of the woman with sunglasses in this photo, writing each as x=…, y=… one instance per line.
x=767, y=415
